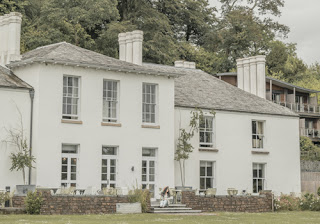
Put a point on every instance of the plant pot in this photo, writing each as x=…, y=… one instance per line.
x=232, y=191
x=24, y=189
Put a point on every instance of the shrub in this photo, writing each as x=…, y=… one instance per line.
x=33, y=202
x=287, y=203
x=140, y=195
x=307, y=201
x=318, y=192
x=4, y=196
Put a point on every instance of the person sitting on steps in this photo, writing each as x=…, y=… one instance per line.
x=165, y=194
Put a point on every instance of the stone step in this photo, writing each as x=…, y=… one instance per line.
x=171, y=209
x=176, y=211
x=170, y=205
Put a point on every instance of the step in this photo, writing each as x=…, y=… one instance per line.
x=170, y=205
x=171, y=209
x=176, y=211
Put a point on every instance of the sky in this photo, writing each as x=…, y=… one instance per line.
x=303, y=19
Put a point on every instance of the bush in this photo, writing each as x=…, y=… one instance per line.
x=310, y=202
x=33, y=202
x=140, y=195
x=287, y=203
x=318, y=192
x=4, y=197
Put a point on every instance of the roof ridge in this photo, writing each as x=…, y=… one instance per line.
x=51, y=45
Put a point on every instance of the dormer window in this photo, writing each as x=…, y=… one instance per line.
x=71, y=97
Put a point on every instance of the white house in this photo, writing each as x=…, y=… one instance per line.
x=104, y=122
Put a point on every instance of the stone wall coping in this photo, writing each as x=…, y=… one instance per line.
x=90, y=196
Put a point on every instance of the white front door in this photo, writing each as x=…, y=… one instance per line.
x=149, y=170
x=109, y=166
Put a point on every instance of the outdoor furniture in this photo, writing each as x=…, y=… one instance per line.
x=232, y=191
x=177, y=196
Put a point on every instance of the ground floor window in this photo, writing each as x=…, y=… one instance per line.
x=109, y=166
x=258, y=177
x=69, y=163
x=148, y=174
x=206, y=174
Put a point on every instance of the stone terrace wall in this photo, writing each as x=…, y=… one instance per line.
x=261, y=203
x=75, y=204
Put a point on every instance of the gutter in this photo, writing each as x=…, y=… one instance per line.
x=31, y=93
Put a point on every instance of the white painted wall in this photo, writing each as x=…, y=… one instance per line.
x=233, y=161
x=11, y=101
x=50, y=133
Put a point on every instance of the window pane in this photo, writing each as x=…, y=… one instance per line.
x=73, y=169
x=112, y=169
x=106, y=150
x=64, y=160
x=148, y=152
x=104, y=177
x=144, y=163
x=202, y=183
x=202, y=171
x=144, y=170
x=112, y=177
x=144, y=177
x=104, y=169
x=104, y=162
x=151, y=163
x=209, y=171
x=260, y=185
x=113, y=162
x=254, y=187
x=151, y=177
x=254, y=127
x=64, y=176
x=73, y=161
x=151, y=171
x=64, y=168
x=73, y=176
x=208, y=183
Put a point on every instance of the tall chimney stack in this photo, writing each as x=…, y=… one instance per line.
x=251, y=75
x=10, y=33
x=130, y=47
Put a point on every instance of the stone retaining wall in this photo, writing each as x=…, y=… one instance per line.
x=75, y=204
x=261, y=203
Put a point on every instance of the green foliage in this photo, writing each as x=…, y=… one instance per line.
x=140, y=195
x=33, y=202
x=318, y=191
x=287, y=203
x=308, y=150
x=4, y=196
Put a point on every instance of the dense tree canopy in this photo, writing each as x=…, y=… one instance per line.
x=173, y=29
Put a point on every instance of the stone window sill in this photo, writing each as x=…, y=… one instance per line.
x=71, y=121
x=150, y=126
x=260, y=152
x=111, y=124
x=208, y=150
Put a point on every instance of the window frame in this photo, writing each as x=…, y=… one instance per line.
x=204, y=130
x=213, y=179
x=147, y=182
x=71, y=116
x=108, y=182
x=263, y=178
x=260, y=145
x=117, y=107
x=156, y=103
x=68, y=182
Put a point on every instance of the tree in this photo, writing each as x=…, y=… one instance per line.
x=21, y=158
x=308, y=150
x=184, y=147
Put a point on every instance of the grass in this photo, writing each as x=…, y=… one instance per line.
x=276, y=218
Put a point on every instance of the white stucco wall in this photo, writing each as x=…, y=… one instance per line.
x=11, y=101
x=50, y=133
x=233, y=161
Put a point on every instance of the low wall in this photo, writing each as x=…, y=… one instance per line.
x=75, y=204
x=310, y=176
x=261, y=203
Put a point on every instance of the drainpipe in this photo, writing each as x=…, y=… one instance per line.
x=31, y=92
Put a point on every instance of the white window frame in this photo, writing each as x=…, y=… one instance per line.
x=68, y=182
x=145, y=104
x=109, y=182
x=66, y=95
x=110, y=119
x=263, y=178
x=258, y=139
x=146, y=183
x=205, y=130
x=205, y=177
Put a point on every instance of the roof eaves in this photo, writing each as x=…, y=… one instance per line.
x=94, y=66
x=291, y=85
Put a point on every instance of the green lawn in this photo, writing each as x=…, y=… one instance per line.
x=274, y=218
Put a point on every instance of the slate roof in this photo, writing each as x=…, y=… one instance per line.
x=198, y=89
x=193, y=87
x=9, y=80
x=65, y=53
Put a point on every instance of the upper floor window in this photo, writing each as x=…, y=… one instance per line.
x=71, y=96
x=149, y=103
x=110, y=100
x=206, y=132
x=257, y=134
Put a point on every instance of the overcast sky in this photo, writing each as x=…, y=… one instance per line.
x=303, y=18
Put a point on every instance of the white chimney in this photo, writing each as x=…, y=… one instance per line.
x=130, y=47
x=251, y=75
x=185, y=64
x=10, y=33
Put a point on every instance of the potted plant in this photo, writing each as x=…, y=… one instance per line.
x=21, y=158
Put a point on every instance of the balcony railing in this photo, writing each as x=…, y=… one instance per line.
x=311, y=133
x=300, y=107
